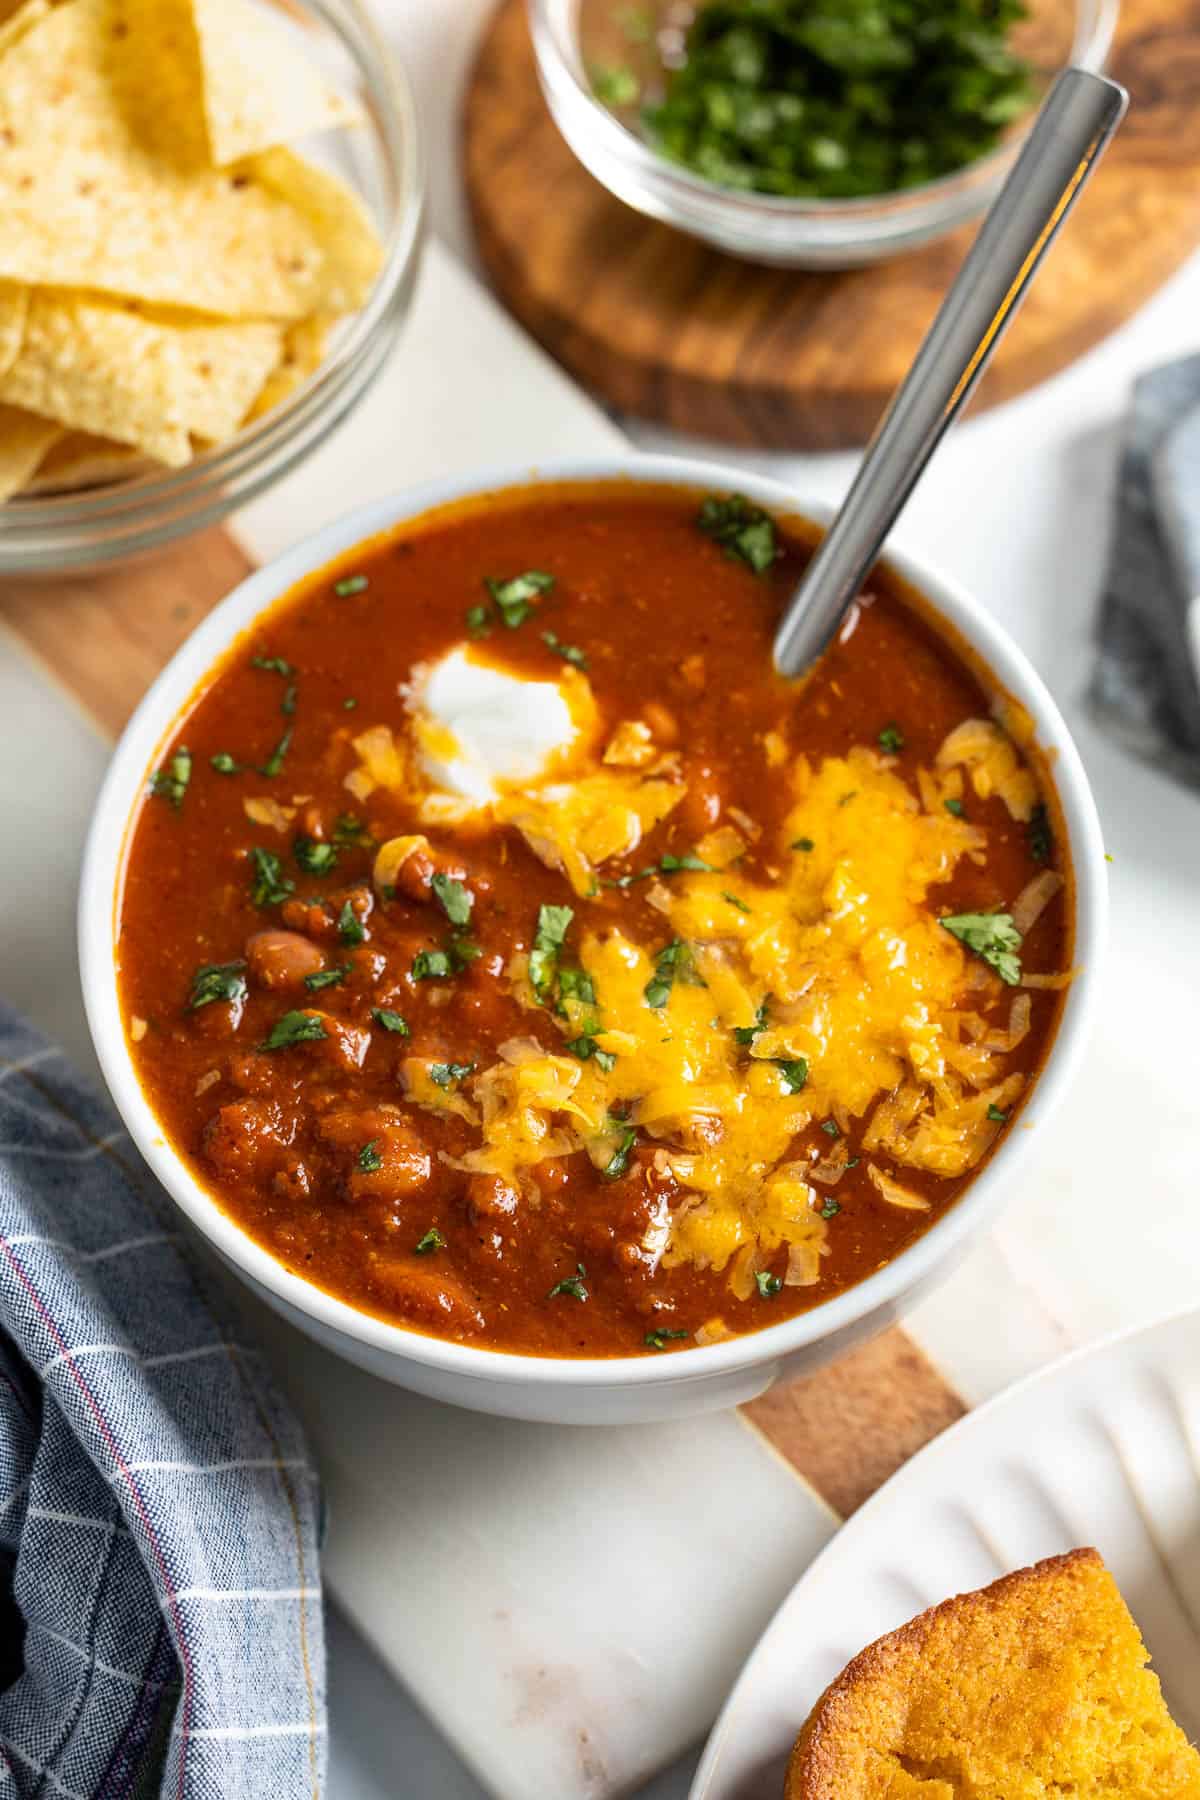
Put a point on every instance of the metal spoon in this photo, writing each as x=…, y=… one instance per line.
x=1071, y=131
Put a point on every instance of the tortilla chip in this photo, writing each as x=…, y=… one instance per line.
x=24, y=440
x=259, y=90
x=98, y=367
x=339, y=222
x=17, y=19
x=101, y=129
x=223, y=366
x=79, y=460
x=14, y=306
x=109, y=368
x=303, y=353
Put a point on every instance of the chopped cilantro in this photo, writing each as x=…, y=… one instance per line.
x=746, y=1034
x=479, y=623
x=390, y=1021
x=836, y=102
x=658, y=1338
x=514, y=596
x=854, y=1162
x=891, y=739
x=433, y=1240
x=217, y=981
x=618, y=1162
x=745, y=530
x=768, y=1285
x=271, y=886
x=274, y=762
x=351, y=929
x=573, y=1285
x=294, y=1028
x=552, y=926
x=171, y=783
x=323, y=978
x=736, y=900
x=349, y=703
x=369, y=1159
x=1041, y=838
x=830, y=1128
x=614, y=85
x=456, y=900
x=576, y=984
x=569, y=652
x=675, y=962
x=586, y=1048
x=804, y=843
x=830, y=1208
x=445, y=1075
x=992, y=936
x=275, y=665
x=314, y=857
x=350, y=584
x=847, y=797
x=794, y=1071
x=224, y=764
x=997, y=1115
x=349, y=831
x=671, y=865
x=954, y=806
x=287, y=705
x=431, y=965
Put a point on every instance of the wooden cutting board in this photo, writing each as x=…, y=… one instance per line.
x=663, y=327
x=104, y=638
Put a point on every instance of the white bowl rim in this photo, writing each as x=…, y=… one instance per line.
x=150, y=726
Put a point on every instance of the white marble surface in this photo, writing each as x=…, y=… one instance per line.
x=1017, y=505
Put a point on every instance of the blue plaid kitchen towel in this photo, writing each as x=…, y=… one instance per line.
x=160, y=1615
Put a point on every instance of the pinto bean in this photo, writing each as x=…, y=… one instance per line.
x=662, y=722
x=490, y=1197
x=281, y=959
x=700, y=807
x=245, y=1138
x=309, y=916
x=414, y=878
x=429, y=1297
x=405, y=1163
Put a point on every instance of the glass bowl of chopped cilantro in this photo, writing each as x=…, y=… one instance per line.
x=807, y=133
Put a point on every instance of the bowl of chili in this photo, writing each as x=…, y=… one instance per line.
x=670, y=1060
x=802, y=135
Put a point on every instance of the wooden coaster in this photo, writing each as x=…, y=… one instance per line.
x=665, y=328
x=104, y=638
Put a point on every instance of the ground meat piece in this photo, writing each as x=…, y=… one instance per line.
x=280, y=960
x=245, y=1139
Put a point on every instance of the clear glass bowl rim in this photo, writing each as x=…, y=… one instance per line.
x=565, y=83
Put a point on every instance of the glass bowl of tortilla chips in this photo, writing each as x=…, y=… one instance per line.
x=210, y=219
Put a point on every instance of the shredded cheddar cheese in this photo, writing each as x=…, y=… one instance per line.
x=823, y=988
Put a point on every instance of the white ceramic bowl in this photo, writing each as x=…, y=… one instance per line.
x=574, y=1391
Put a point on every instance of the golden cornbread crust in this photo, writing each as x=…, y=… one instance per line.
x=1035, y=1688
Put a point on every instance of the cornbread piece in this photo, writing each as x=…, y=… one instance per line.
x=1032, y=1689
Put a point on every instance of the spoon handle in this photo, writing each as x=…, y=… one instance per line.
x=1068, y=137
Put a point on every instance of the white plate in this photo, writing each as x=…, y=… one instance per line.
x=1102, y=1448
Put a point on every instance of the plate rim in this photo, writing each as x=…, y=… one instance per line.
x=701, y=1786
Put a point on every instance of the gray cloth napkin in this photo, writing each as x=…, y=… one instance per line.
x=1146, y=686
